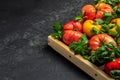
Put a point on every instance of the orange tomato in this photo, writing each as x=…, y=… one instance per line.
x=88, y=25
x=102, y=8
x=98, y=39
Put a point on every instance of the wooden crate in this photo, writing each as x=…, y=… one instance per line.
x=96, y=72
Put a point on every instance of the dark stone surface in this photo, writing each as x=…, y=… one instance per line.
x=24, y=28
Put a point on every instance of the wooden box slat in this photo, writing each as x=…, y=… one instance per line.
x=91, y=69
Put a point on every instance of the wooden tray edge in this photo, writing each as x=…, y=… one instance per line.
x=78, y=60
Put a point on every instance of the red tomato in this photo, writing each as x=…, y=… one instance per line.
x=99, y=14
x=89, y=12
x=113, y=65
x=97, y=11
x=96, y=41
x=118, y=4
x=72, y=32
x=73, y=25
x=71, y=36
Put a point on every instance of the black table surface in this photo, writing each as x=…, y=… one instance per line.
x=24, y=28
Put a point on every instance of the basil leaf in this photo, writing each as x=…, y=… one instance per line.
x=81, y=46
x=57, y=27
x=58, y=32
x=99, y=21
x=115, y=74
x=95, y=31
x=107, y=17
x=80, y=17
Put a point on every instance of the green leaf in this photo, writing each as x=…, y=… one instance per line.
x=95, y=31
x=107, y=17
x=107, y=14
x=83, y=40
x=80, y=17
x=110, y=45
x=118, y=30
x=118, y=40
x=58, y=32
x=93, y=57
x=81, y=46
x=56, y=35
x=112, y=25
x=114, y=12
x=99, y=21
x=115, y=74
x=117, y=51
x=118, y=12
x=102, y=54
x=57, y=27
x=105, y=28
x=112, y=33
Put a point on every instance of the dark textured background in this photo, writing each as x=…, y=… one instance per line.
x=24, y=28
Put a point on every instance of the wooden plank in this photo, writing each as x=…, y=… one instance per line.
x=91, y=69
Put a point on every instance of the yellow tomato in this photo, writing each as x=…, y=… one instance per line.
x=88, y=25
x=117, y=22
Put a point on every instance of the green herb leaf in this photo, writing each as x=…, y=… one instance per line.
x=118, y=30
x=118, y=12
x=118, y=34
x=99, y=21
x=115, y=74
x=107, y=17
x=118, y=40
x=114, y=12
x=58, y=32
x=112, y=33
x=57, y=27
x=117, y=51
x=80, y=17
x=105, y=28
x=95, y=31
x=81, y=47
x=102, y=54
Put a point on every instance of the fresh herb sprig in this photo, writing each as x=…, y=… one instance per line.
x=102, y=54
x=58, y=31
x=80, y=17
x=115, y=74
x=105, y=53
x=81, y=46
x=118, y=35
x=116, y=12
x=106, y=24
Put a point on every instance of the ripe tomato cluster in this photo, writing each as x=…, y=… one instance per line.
x=73, y=30
x=101, y=25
